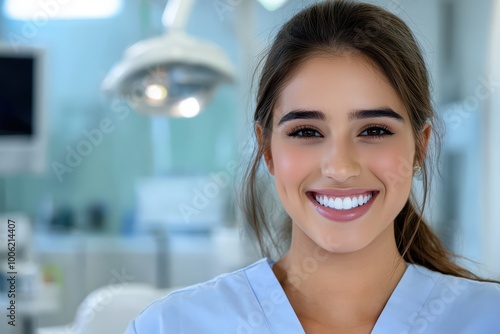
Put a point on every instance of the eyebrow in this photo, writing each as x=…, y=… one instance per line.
x=302, y=114
x=354, y=115
x=374, y=113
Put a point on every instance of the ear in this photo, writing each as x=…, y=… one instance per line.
x=425, y=136
x=268, y=158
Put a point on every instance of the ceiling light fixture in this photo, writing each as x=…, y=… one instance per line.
x=272, y=5
x=174, y=74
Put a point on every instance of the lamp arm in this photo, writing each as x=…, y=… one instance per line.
x=176, y=14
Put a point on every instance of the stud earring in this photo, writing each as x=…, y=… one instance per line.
x=416, y=170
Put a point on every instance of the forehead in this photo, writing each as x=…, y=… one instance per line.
x=338, y=84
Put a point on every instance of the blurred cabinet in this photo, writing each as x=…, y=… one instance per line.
x=79, y=264
x=83, y=263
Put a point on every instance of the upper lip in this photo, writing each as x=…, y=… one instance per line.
x=344, y=192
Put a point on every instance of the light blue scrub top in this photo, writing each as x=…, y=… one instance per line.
x=251, y=300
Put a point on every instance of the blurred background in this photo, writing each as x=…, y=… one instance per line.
x=120, y=188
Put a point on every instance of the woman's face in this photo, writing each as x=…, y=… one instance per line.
x=341, y=153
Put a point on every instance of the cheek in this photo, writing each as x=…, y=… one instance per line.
x=291, y=163
x=394, y=167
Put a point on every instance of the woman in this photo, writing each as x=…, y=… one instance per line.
x=343, y=122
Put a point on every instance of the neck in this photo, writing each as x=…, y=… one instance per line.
x=340, y=288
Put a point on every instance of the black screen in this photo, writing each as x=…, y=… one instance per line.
x=16, y=95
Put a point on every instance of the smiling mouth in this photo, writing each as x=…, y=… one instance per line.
x=344, y=202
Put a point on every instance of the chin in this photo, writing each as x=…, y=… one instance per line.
x=342, y=246
x=344, y=243
x=343, y=249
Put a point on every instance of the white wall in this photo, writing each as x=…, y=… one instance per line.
x=491, y=225
x=470, y=136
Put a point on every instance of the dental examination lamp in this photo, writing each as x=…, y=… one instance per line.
x=174, y=74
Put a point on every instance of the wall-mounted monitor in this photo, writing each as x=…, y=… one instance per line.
x=22, y=114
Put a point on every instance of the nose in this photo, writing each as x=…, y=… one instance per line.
x=341, y=162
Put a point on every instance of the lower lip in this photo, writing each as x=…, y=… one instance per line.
x=342, y=215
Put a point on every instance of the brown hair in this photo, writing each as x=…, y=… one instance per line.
x=336, y=27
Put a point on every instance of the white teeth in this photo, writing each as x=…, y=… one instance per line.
x=345, y=203
x=338, y=204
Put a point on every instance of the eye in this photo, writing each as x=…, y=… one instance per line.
x=304, y=132
x=376, y=131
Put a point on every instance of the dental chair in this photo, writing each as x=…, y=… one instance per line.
x=109, y=309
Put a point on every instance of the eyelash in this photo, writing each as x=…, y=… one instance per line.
x=294, y=133
x=378, y=127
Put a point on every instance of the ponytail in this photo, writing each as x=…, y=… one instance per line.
x=418, y=244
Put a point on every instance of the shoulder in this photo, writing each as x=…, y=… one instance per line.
x=465, y=303
x=213, y=301
x=451, y=288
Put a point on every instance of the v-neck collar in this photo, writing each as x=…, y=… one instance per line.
x=272, y=299
x=407, y=300
x=398, y=315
